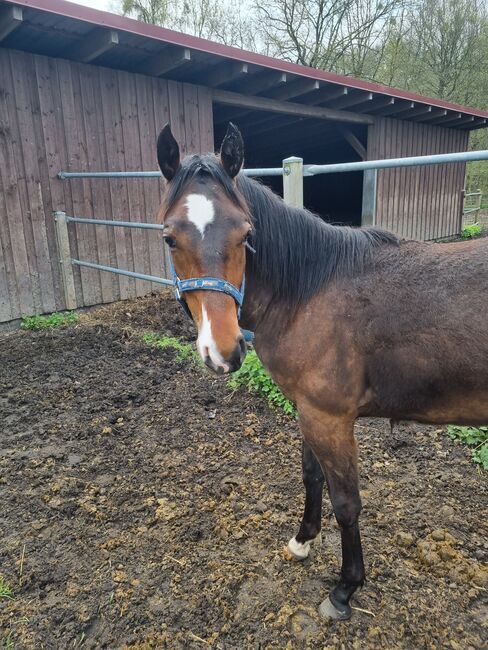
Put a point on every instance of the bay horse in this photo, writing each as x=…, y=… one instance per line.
x=348, y=322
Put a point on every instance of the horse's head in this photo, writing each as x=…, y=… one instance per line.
x=207, y=224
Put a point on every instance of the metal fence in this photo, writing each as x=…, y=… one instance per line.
x=292, y=171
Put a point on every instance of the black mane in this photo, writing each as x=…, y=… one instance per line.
x=297, y=253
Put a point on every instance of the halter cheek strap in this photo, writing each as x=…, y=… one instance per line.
x=205, y=284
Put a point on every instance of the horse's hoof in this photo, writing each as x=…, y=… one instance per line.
x=298, y=551
x=329, y=611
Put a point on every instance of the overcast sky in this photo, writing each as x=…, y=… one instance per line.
x=104, y=5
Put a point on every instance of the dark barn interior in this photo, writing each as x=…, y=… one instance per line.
x=269, y=138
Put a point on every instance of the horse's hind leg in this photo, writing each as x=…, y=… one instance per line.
x=333, y=443
x=313, y=479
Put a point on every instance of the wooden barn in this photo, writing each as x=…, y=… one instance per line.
x=84, y=90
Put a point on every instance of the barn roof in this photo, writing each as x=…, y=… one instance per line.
x=63, y=29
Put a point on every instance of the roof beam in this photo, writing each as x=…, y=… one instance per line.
x=94, y=45
x=166, y=61
x=259, y=83
x=419, y=111
x=352, y=99
x=287, y=108
x=396, y=109
x=433, y=114
x=478, y=123
x=10, y=18
x=294, y=89
x=354, y=142
x=329, y=94
x=224, y=73
x=450, y=117
x=377, y=103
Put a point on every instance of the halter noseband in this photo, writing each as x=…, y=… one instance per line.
x=205, y=284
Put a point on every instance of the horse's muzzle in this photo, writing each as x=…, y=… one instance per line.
x=231, y=364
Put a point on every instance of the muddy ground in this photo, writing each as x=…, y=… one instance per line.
x=144, y=506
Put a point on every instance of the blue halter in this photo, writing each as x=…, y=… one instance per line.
x=205, y=284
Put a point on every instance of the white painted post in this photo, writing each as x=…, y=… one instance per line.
x=65, y=259
x=293, y=181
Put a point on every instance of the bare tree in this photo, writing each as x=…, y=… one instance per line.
x=329, y=34
x=216, y=20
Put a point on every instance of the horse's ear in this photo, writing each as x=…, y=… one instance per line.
x=232, y=151
x=168, y=153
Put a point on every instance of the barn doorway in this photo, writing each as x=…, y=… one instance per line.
x=269, y=138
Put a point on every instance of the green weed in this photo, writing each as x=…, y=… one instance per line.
x=6, y=590
x=471, y=230
x=58, y=319
x=185, y=351
x=477, y=438
x=253, y=376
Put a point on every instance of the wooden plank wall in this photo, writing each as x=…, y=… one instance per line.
x=58, y=115
x=419, y=202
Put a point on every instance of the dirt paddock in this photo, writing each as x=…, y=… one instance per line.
x=142, y=505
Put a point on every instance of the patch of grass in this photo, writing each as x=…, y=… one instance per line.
x=254, y=377
x=471, y=230
x=6, y=590
x=58, y=319
x=476, y=438
x=185, y=351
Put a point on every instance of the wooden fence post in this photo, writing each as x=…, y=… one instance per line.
x=370, y=183
x=65, y=259
x=293, y=181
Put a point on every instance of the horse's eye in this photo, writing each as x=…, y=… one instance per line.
x=247, y=242
x=171, y=241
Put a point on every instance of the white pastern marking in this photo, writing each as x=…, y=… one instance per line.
x=300, y=551
x=206, y=344
x=200, y=211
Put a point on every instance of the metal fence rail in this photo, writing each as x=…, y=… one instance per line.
x=259, y=171
x=292, y=171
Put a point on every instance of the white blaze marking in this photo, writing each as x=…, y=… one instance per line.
x=206, y=344
x=200, y=211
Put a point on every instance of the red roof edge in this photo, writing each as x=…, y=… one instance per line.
x=122, y=23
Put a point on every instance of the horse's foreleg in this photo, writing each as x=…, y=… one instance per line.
x=313, y=480
x=333, y=443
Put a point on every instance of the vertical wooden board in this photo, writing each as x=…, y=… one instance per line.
x=16, y=152
x=15, y=221
x=147, y=136
x=437, y=225
x=118, y=187
x=446, y=171
x=192, y=130
x=434, y=227
x=71, y=189
x=405, y=178
x=205, y=119
x=132, y=157
x=177, y=114
x=9, y=304
x=33, y=154
x=103, y=185
x=54, y=160
x=390, y=148
x=381, y=175
x=161, y=117
x=411, y=181
x=425, y=185
x=84, y=235
x=87, y=234
x=100, y=208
